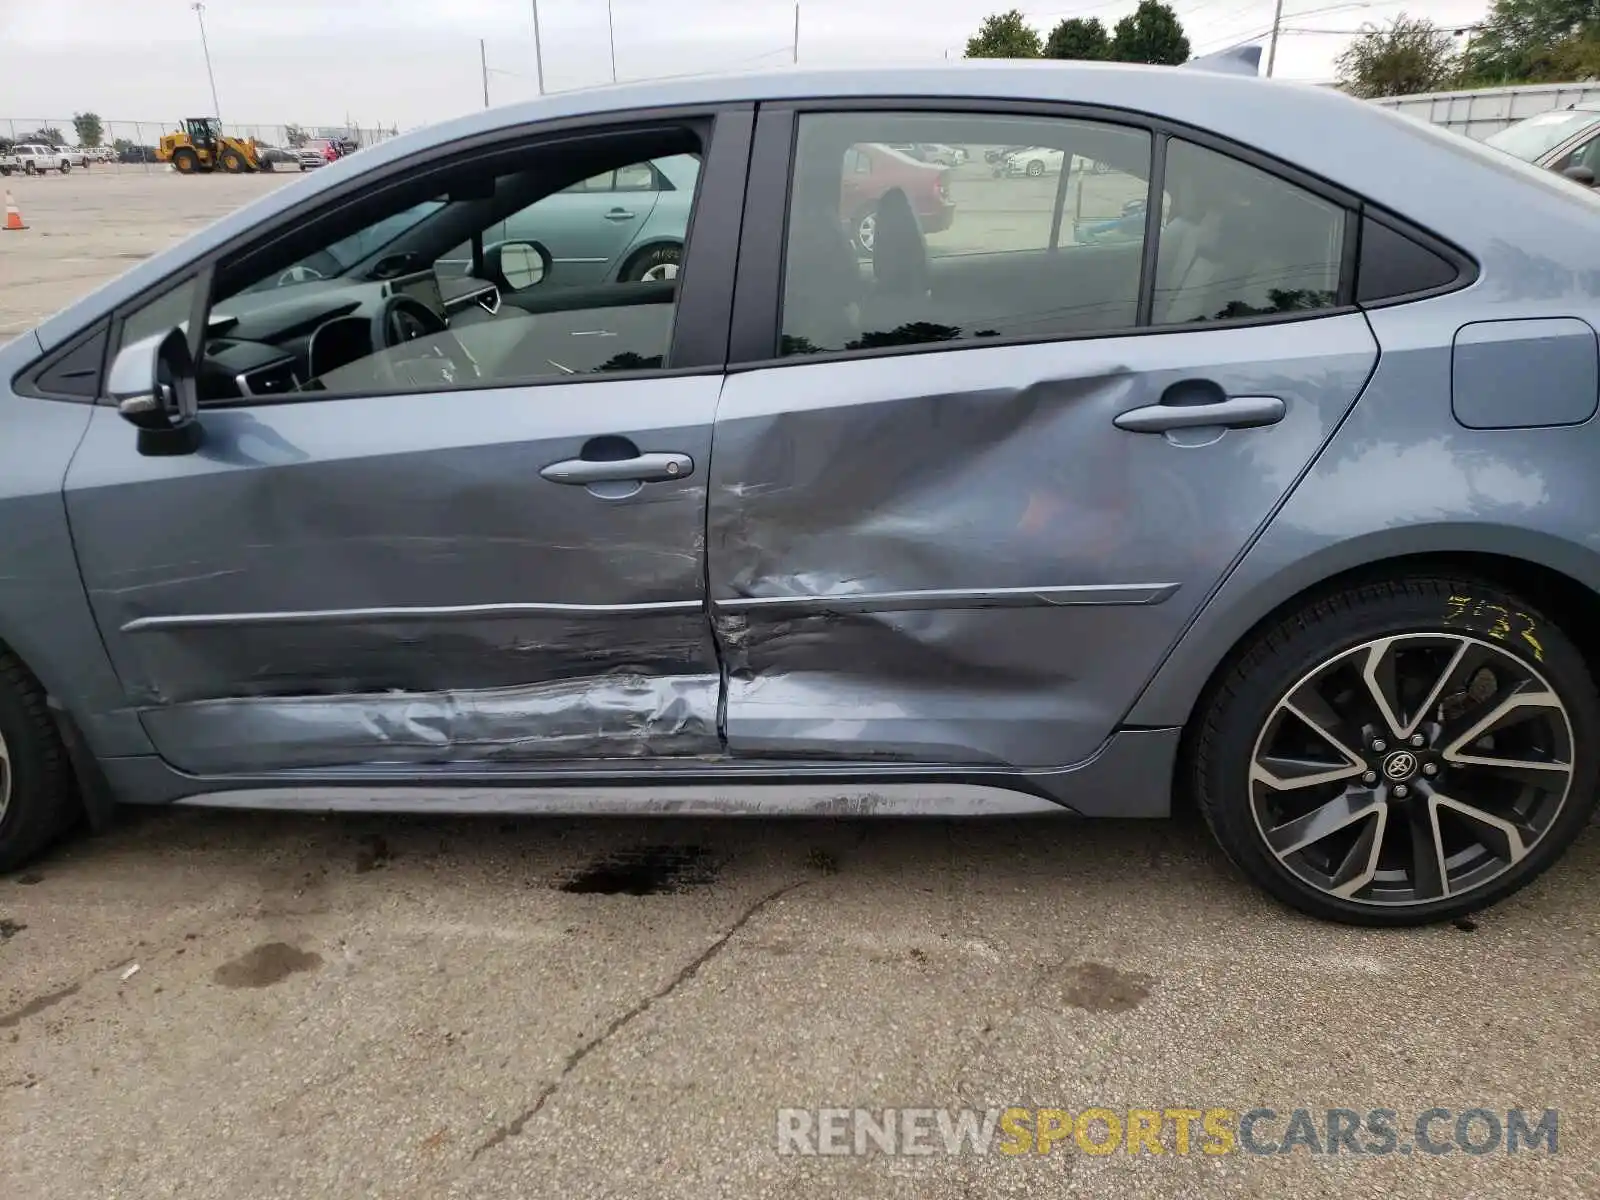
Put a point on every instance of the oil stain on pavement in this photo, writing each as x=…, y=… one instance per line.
x=1095, y=987
x=266, y=965
x=647, y=871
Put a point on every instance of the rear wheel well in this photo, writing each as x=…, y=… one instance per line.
x=1570, y=604
x=637, y=255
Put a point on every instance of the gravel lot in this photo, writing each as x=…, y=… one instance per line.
x=341, y=1007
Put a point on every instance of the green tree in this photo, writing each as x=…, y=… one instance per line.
x=295, y=136
x=89, y=129
x=1078, y=38
x=1535, y=41
x=1004, y=35
x=1150, y=34
x=48, y=134
x=1410, y=56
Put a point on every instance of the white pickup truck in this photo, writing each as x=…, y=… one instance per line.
x=33, y=158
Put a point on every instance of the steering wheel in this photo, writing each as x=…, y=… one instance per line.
x=402, y=319
x=320, y=265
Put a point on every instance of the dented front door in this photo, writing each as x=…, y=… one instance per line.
x=400, y=579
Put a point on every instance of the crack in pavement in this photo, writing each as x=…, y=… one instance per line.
x=515, y=1127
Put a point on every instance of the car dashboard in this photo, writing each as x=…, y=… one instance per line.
x=282, y=340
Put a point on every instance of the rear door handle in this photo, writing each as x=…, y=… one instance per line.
x=619, y=214
x=643, y=468
x=1237, y=412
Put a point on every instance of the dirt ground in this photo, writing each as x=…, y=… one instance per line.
x=221, y=1004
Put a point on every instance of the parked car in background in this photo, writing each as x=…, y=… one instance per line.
x=1284, y=504
x=998, y=154
x=318, y=152
x=138, y=154
x=1032, y=161
x=1565, y=140
x=627, y=224
x=100, y=154
x=37, y=158
x=275, y=156
x=933, y=152
x=871, y=171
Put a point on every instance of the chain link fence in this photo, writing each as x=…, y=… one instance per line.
x=131, y=145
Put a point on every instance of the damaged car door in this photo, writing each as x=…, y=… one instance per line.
x=996, y=469
x=379, y=549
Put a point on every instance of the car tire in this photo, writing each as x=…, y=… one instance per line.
x=1035, y=168
x=66, y=167
x=657, y=263
x=1407, y=833
x=37, y=793
x=864, y=230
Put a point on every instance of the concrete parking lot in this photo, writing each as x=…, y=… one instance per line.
x=246, y=1005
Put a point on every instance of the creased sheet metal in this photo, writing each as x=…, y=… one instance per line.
x=624, y=715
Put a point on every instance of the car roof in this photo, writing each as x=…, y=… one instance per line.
x=1438, y=178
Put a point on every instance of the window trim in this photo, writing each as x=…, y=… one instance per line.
x=755, y=343
x=1467, y=269
x=702, y=311
x=26, y=382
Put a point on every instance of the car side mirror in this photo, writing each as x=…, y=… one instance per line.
x=1581, y=175
x=517, y=265
x=152, y=383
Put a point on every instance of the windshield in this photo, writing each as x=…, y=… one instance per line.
x=345, y=253
x=1533, y=137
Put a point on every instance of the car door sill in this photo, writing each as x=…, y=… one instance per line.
x=1129, y=776
x=753, y=800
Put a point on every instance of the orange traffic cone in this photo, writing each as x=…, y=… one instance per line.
x=13, y=214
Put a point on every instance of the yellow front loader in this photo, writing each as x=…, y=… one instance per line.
x=202, y=146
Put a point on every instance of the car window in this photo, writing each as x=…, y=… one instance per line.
x=1536, y=135
x=1239, y=242
x=415, y=320
x=1036, y=232
x=636, y=178
x=1585, y=155
x=166, y=312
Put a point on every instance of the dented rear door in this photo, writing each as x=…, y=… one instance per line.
x=928, y=547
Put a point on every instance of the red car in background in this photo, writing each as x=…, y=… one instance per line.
x=870, y=170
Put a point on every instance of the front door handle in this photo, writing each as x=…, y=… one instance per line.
x=642, y=468
x=1236, y=412
x=620, y=214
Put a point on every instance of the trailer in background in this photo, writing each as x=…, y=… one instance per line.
x=1484, y=111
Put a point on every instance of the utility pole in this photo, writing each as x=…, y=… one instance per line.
x=611, y=24
x=538, y=51
x=483, y=59
x=797, y=34
x=1272, y=47
x=200, y=14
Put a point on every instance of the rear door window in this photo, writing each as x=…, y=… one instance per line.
x=885, y=249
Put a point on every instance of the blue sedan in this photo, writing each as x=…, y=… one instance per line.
x=568, y=458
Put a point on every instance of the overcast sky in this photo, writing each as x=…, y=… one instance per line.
x=409, y=62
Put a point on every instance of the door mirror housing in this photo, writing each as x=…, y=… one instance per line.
x=152, y=383
x=516, y=266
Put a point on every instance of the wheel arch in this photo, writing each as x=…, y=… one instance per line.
x=1556, y=576
x=644, y=246
x=93, y=796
